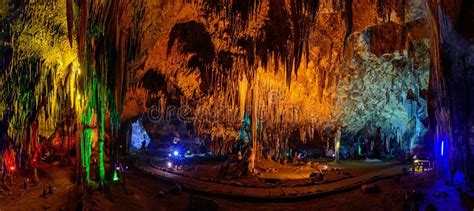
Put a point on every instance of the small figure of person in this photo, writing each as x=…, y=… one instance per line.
x=176, y=139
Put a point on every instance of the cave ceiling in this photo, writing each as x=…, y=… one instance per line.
x=359, y=65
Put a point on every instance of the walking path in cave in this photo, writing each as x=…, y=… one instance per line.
x=213, y=187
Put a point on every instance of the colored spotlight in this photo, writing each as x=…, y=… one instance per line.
x=175, y=153
x=442, y=148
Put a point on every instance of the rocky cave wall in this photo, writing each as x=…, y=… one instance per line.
x=450, y=86
x=299, y=67
x=366, y=67
x=359, y=65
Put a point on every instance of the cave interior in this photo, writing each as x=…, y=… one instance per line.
x=260, y=87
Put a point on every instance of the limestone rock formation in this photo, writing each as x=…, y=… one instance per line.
x=301, y=69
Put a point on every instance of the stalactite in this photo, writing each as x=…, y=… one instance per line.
x=82, y=31
x=348, y=20
x=102, y=93
x=286, y=31
x=70, y=20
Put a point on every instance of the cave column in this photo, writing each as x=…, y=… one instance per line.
x=337, y=141
x=254, y=107
x=101, y=118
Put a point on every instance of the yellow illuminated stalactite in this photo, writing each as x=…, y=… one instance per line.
x=243, y=87
x=273, y=105
x=254, y=104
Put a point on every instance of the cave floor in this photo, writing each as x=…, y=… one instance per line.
x=203, y=178
x=141, y=191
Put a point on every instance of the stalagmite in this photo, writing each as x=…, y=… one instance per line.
x=337, y=143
